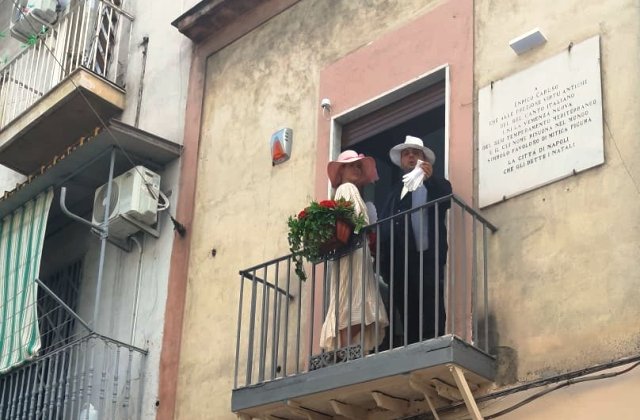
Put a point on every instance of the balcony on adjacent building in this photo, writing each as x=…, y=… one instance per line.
x=283, y=372
x=67, y=349
x=68, y=82
x=74, y=372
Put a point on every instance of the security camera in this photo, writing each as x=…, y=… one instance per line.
x=325, y=104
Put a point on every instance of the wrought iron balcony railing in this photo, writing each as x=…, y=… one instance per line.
x=92, y=377
x=73, y=373
x=280, y=317
x=93, y=35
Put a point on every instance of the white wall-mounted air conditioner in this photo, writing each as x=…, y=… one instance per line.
x=134, y=195
x=29, y=17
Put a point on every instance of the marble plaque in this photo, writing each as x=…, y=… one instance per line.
x=541, y=124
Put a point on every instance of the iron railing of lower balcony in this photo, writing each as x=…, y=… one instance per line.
x=93, y=35
x=90, y=378
x=280, y=317
x=58, y=324
x=73, y=372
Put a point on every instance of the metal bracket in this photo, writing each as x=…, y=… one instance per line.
x=65, y=210
x=124, y=245
x=146, y=228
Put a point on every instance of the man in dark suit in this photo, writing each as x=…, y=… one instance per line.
x=426, y=243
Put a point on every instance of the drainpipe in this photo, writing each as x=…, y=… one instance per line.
x=145, y=48
x=104, y=234
x=136, y=299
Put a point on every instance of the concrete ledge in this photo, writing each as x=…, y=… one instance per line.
x=58, y=119
x=209, y=17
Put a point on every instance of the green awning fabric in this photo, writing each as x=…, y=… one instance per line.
x=21, y=237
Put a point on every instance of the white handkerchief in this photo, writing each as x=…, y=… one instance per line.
x=412, y=180
x=403, y=192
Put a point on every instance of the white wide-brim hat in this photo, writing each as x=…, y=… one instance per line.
x=370, y=173
x=411, y=142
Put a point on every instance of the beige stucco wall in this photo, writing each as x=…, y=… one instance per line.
x=564, y=271
x=264, y=81
x=564, y=282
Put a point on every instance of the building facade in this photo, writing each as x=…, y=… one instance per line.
x=93, y=96
x=540, y=284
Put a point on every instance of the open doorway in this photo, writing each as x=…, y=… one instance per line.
x=422, y=114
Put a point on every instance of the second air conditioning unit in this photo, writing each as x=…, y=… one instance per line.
x=134, y=195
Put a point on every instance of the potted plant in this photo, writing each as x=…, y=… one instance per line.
x=320, y=228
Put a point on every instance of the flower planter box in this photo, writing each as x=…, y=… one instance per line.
x=321, y=230
x=341, y=237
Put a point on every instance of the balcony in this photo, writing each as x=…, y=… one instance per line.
x=77, y=372
x=69, y=368
x=62, y=86
x=91, y=374
x=281, y=371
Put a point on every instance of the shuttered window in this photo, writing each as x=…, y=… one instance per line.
x=391, y=115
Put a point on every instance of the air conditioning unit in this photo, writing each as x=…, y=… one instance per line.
x=30, y=17
x=134, y=200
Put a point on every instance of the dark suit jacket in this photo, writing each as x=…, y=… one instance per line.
x=436, y=188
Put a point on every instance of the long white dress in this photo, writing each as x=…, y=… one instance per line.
x=371, y=304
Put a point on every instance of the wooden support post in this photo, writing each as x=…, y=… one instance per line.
x=420, y=385
x=396, y=405
x=467, y=396
x=432, y=407
x=348, y=410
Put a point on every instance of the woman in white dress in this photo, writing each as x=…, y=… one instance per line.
x=349, y=174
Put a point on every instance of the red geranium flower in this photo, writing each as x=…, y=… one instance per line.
x=330, y=204
x=302, y=214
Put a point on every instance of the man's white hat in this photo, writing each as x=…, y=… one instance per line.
x=411, y=142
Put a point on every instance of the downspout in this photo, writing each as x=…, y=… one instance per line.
x=104, y=234
x=136, y=299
